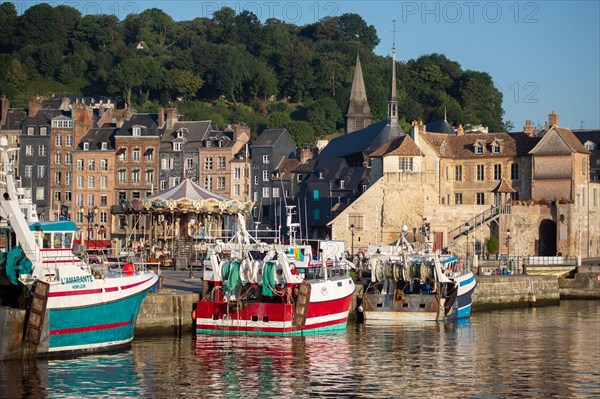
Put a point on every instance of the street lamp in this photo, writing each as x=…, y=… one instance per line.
x=467, y=226
x=508, y=246
x=352, y=247
x=91, y=212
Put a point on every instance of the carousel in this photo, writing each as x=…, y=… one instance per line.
x=172, y=227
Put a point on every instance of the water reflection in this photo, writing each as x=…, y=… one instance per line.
x=549, y=352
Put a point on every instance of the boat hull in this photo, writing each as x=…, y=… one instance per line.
x=100, y=317
x=327, y=311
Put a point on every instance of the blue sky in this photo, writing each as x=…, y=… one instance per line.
x=542, y=55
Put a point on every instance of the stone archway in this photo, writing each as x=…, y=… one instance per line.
x=547, y=238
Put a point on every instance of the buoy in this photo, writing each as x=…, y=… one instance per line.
x=129, y=269
x=193, y=314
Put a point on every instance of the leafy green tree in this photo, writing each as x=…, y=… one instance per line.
x=39, y=25
x=126, y=77
x=68, y=18
x=353, y=27
x=184, y=83
x=15, y=73
x=96, y=31
x=296, y=72
x=278, y=119
x=301, y=132
x=481, y=101
x=8, y=23
x=323, y=115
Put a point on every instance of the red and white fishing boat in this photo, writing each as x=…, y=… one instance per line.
x=263, y=289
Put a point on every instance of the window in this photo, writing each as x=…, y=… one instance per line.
x=447, y=172
x=221, y=163
x=255, y=197
x=316, y=195
x=480, y=198
x=266, y=158
x=28, y=170
x=149, y=154
x=136, y=131
x=514, y=171
x=135, y=176
x=79, y=181
x=57, y=159
x=177, y=146
x=220, y=183
x=68, y=159
x=149, y=176
x=90, y=200
x=405, y=164
x=595, y=197
x=299, y=177
x=236, y=173
x=478, y=149
x=480, y=172
x=79, y=217
x=104, y=165
x=583, y=196
x=103, y=181
x=42, y=150
x=458, y=198
x=317, y=214
x=91, y=164
x=255, y=180
x=122, y=176
x=86, y=146
x=30, y=130
x=497, y=171
x=69, y=141
x=58, y=179
x=39, y=193
x=342, y=183
x=275, y=192
x=103, y=200
x=137, y=154
x=458, y=172
x=62, y=123
x=29, y=150
x=57, y=196
x=122, y=195
x=236, y=190
x=167, y=164
x=79, y=200
x=41, y=171
x=208, y=183
x=80, y=164
x=266, y=192
x=91, y=181
x=104, y=146
x=208, y=163
x=583, y=166
x=162, y=185
x=103, y=217
x=495, y=148
x=58, y=141
x=68, y=178
x=265, y=175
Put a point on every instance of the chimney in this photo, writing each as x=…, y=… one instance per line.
x=528, y=129
x=172, y=117
x=553, y=119
x=460, y=131
x=241, y=132
x=34, y=106
x=66, y=104
x=421, y=127
x=161, y=117
x=106, y=116
x=4, y=106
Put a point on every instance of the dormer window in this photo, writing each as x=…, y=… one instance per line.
x=478, y=149
x=321, y=175
x=589, y=145
x=342, y=183
x=495, y=148
x=104, y=146
x=177, y=146
x=136, y=131
x=220, y=143
x=443, y=148
x=86, y=146
x=266, y=159
x=180, y=134
x=208, y=143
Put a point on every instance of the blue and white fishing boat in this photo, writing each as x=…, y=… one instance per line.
x=71, y=306
x=411, y=286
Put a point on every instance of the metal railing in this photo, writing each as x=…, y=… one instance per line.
x=478, y=220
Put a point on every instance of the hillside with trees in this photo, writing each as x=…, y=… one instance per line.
x=231, y=66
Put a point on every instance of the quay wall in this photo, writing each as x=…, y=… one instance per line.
x=581, y=286
x=166, y=310
x=519, y=290
x=11, y=332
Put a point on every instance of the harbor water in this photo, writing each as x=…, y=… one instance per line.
x=535, y=352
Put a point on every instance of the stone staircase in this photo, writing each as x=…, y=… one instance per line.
x=486, y=217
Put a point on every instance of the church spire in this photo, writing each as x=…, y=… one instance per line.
x=359, y=113
x=393, y=103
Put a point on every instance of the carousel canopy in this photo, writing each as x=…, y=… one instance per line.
x=187, y=189
x=188, y=197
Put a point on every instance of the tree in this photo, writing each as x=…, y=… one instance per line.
x=125, y=77
x=353, y=27
x=323, y=115
x=8, y=22
x=184, y=83
x=15, y=73
x=39, y=25
x=480, y=100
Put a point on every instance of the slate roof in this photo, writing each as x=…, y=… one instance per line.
x=44, y=117
x=97, y=136
x=361, y=141
x=148, y=121
x=268, y=138
x=187, y=189
x=14, y=119
x=439, y=126
x=463, y=146
x=504, y=187
x=196, y=131
x=403, y=146
x=286, y=167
